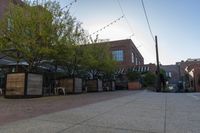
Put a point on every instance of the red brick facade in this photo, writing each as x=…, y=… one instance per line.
x=4, y=5
x=193, y=71
x=190, y=72
x=128, y=48
x=132, y=59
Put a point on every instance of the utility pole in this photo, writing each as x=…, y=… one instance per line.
x=158, y=66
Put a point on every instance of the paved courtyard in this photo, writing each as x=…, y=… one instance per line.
x=17, y=109
x=116, y=112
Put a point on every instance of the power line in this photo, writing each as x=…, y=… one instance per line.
x=69, y=5
x=108, y=25
x=129, y=37
x=133, y=34
x=157, y=54
x=120, y=6
x=146, y=16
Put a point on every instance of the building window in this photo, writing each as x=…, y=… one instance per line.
x=169, y=74
x=118, y=55
x=133, y=57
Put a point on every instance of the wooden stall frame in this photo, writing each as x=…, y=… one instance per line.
x=25, y=87
x=97, y=85
x=74, y=80
x=111, y=87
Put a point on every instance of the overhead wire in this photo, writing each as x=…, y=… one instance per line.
x=148, y=23
x=128, y=23
x=108, y=25
x=69, y=5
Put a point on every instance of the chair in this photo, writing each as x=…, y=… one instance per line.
x=56, y=90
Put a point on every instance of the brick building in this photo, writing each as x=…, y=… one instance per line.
x=185, y=74
x=172, y=73
x=192, y=76
x=4, y=5
x=184, y=64
x=125, y=53
x=128, y=57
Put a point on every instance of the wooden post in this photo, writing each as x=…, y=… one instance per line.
x=158, y=66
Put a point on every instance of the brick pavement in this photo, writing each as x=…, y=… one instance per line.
x=17, y=109
x=142, y=112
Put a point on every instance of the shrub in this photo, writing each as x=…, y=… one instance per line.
x=149, y=79
x=133, y=76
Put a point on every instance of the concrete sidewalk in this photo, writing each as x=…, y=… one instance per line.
x=143, y=112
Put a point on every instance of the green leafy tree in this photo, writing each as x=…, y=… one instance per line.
x=133, y=76
x=71, y=59
x=98, y=61
x=149, y=79
x=67, y=52
x=40, y=32
x=29, y=31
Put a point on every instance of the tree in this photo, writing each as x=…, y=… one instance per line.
x=163, y=79
x=47, y=33
x=29, y=31
x=98, y=61
x=70, y=58
x=67, y=52
x=149, y=79
x=39, y=32
x=133, y=76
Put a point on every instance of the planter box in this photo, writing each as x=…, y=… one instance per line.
x=20, y=85
x=72, y=85
x=134, y=85
x=109, y=86
x=94, y=85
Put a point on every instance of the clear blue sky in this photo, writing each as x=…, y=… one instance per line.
x=175, y=22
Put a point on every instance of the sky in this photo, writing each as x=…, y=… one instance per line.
x=175, y=22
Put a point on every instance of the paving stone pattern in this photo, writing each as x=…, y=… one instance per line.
x=141, y=112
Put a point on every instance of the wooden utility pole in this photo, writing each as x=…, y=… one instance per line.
x=158, y=66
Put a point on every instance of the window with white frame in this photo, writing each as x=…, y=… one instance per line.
x=133, y=57
x=118, y=55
